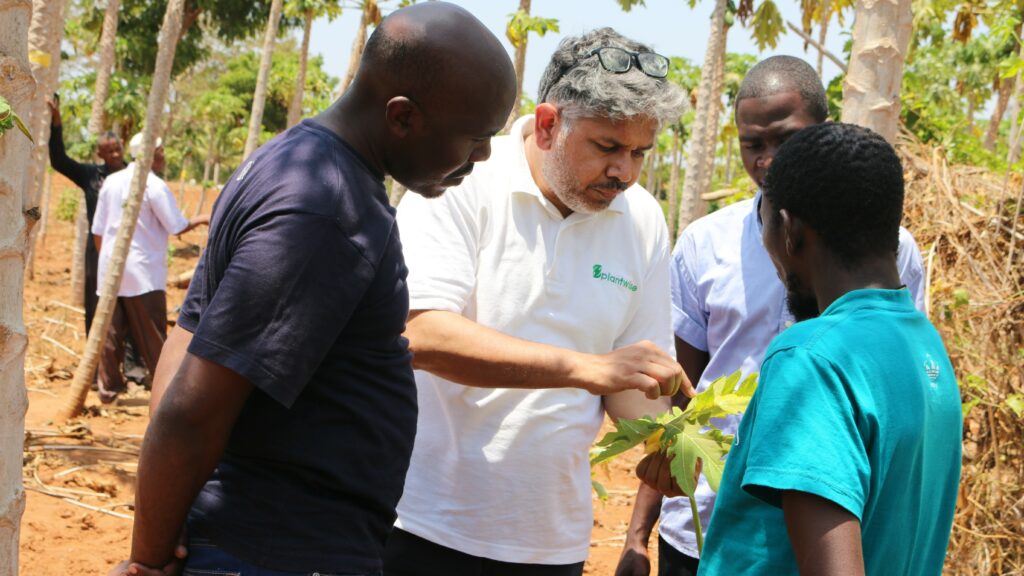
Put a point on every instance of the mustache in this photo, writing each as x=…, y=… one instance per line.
x=614, y=185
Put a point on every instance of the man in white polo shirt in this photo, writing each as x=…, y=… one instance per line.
x=142, y=300
x=539, y=291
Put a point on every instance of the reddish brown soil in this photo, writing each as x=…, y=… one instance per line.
x=59, y=537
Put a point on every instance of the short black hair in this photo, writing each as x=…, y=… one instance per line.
x=779, y=74
x=108, y=136
x=846, y=183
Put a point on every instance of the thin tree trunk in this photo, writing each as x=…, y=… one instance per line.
x=972, y=107
x=1006, y=86
x=168, y=43
x=259, y=97
x=45, y=33
x=181, y=182
x=369, y=6
x=656, y=189
x=39, y=233
x=108, y=40
x=97, y=120
x=295, y=108
x=728, y=161
x=397, y=192
x=700, y=157
x=78, y=253
x=871, y=92
x=673, y=188
x=520, y=66
x=1018, y=99
x=649, y=179
x=202, y=193
x=17, y=87
x=826, y=15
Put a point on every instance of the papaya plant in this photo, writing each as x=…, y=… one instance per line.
x=688, y=437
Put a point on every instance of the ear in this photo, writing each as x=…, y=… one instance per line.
x=794, y=233
x=545, y=128
x=402, y=116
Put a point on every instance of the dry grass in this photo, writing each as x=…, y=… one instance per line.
x=969, y=225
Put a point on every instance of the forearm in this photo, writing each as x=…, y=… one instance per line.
x=632, y=404
x=186, y=437
x=463, y=351
x=646, y=511
x=176, y=460
x=98, y=241
x=194, y=222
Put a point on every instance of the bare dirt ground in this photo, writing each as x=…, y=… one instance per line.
x=80, y=476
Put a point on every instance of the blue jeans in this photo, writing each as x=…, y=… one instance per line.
x=207, y=559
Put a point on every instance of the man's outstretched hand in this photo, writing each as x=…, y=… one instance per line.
x=654, y=471
x=53, y=103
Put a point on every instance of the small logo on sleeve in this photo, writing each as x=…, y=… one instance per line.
x=931, y=369
x=600, y=274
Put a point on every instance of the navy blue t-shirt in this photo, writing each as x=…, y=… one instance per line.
x=302, y=291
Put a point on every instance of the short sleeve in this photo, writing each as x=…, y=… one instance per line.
x=161, y=200
x=99, y=220
x=911, y=267
x=289, y=288
x=804, y=435
x=652, y=317
x=440, y=241
x=689, y=320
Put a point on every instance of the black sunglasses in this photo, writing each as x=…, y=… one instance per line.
x=618, y=61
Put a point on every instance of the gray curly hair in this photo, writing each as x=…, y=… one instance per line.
x=587, y=90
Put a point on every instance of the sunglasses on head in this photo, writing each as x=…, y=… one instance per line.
x=618, y=61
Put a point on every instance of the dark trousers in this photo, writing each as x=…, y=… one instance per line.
x=409, y=555
x=144, y=317
x=672, y=562
x=207, y=559
x=133, y=367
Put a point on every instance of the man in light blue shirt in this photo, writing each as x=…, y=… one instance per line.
x=728, y=302
x=847, y=460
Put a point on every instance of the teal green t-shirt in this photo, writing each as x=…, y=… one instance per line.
x=859, y=406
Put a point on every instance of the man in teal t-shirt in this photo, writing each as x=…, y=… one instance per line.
x=848, y=458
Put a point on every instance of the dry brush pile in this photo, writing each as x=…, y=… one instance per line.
x=969, y=226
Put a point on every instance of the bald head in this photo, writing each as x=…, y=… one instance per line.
x=444, y=85
x=781, y=74
x=430, y=49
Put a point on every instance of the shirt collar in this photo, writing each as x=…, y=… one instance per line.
x=521, y=180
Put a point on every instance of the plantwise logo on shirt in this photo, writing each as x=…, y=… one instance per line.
x=600, y=274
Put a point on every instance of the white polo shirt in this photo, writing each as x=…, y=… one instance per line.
x=146, y=267
x=503, y=473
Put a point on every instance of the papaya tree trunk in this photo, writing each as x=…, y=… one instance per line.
x=673, y=188
x=520, y=66
x=259, y=97
x=97, y=120
x=18, y=88
x=45, y=33
x=78, y=254
x=168, y=43
x=871, y=91
x=826, y=15
x=367, y=17
x=1015, y=121
x=295, y=107
x=1006, y=86
x=108, y=41
x=700, y=157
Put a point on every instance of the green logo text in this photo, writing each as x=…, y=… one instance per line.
x=599, y=274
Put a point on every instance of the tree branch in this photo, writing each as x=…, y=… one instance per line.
x=816, y=44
